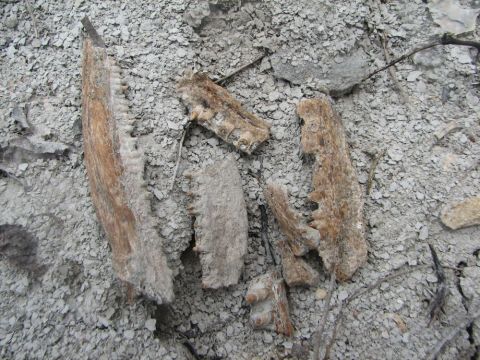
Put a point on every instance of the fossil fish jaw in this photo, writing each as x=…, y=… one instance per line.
x=221, y=224
x=339, y=217
x=214, y=108
x=115, y=172
x=269, y=306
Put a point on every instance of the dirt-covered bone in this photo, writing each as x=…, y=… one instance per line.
x=214, y=108
x=115, y=172
x=301, y=237
x=339, y=217
x=267, y=296
x=221, y=224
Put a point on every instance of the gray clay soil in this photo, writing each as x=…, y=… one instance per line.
x=64, y=301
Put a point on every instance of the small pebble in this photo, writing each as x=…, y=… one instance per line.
x=150, y=324
x=423, y=235
x=23, y=167
x=321, y=294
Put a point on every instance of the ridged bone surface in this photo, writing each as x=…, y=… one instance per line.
x=301, y=238
x=221, y=224
x=339, y=217
x=214, y=108
x=115, y=172
x=269, y=306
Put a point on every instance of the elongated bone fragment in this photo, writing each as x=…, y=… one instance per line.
x=221, y=224
x=214, y=108
x=115, y=172
x=462, y=214
x=268, y=298
x=339, y=217
x=301, y=237
x=296, y=271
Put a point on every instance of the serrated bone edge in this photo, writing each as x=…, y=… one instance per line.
x=339, y=218
x=214, y=108
x=115, y=171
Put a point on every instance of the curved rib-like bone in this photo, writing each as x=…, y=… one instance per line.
x=339, y=217
x=221, y=223
x=268, y=298
x=115, y=171
x=214, y=108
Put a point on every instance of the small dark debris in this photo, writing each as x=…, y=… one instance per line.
x=438, y=301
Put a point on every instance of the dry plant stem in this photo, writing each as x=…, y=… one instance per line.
x=32, y=15
x=318, y=341
x=446, y=39
x=359, y=292
x=392, y=73
x=240, y=69
x=179, y=155
x=437, y=350
x=371, y=173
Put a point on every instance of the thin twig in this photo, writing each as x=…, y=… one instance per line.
x=240, y=69
x=179, y=155
x=441, y=293
x=32, y=15
x=373, y=167
x=359, y=292
x=445, y=39
x=391, y=70
x=452, y=335
x=318, y=340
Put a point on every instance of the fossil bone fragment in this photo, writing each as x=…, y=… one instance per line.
x=296, y=271
x=339, y=217
x=221, y=224
x=267, y=296
x=462, y=214
x=115, y=172
x=214, y=108
x=300, y=236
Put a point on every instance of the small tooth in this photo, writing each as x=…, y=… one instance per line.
x=251, y=298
